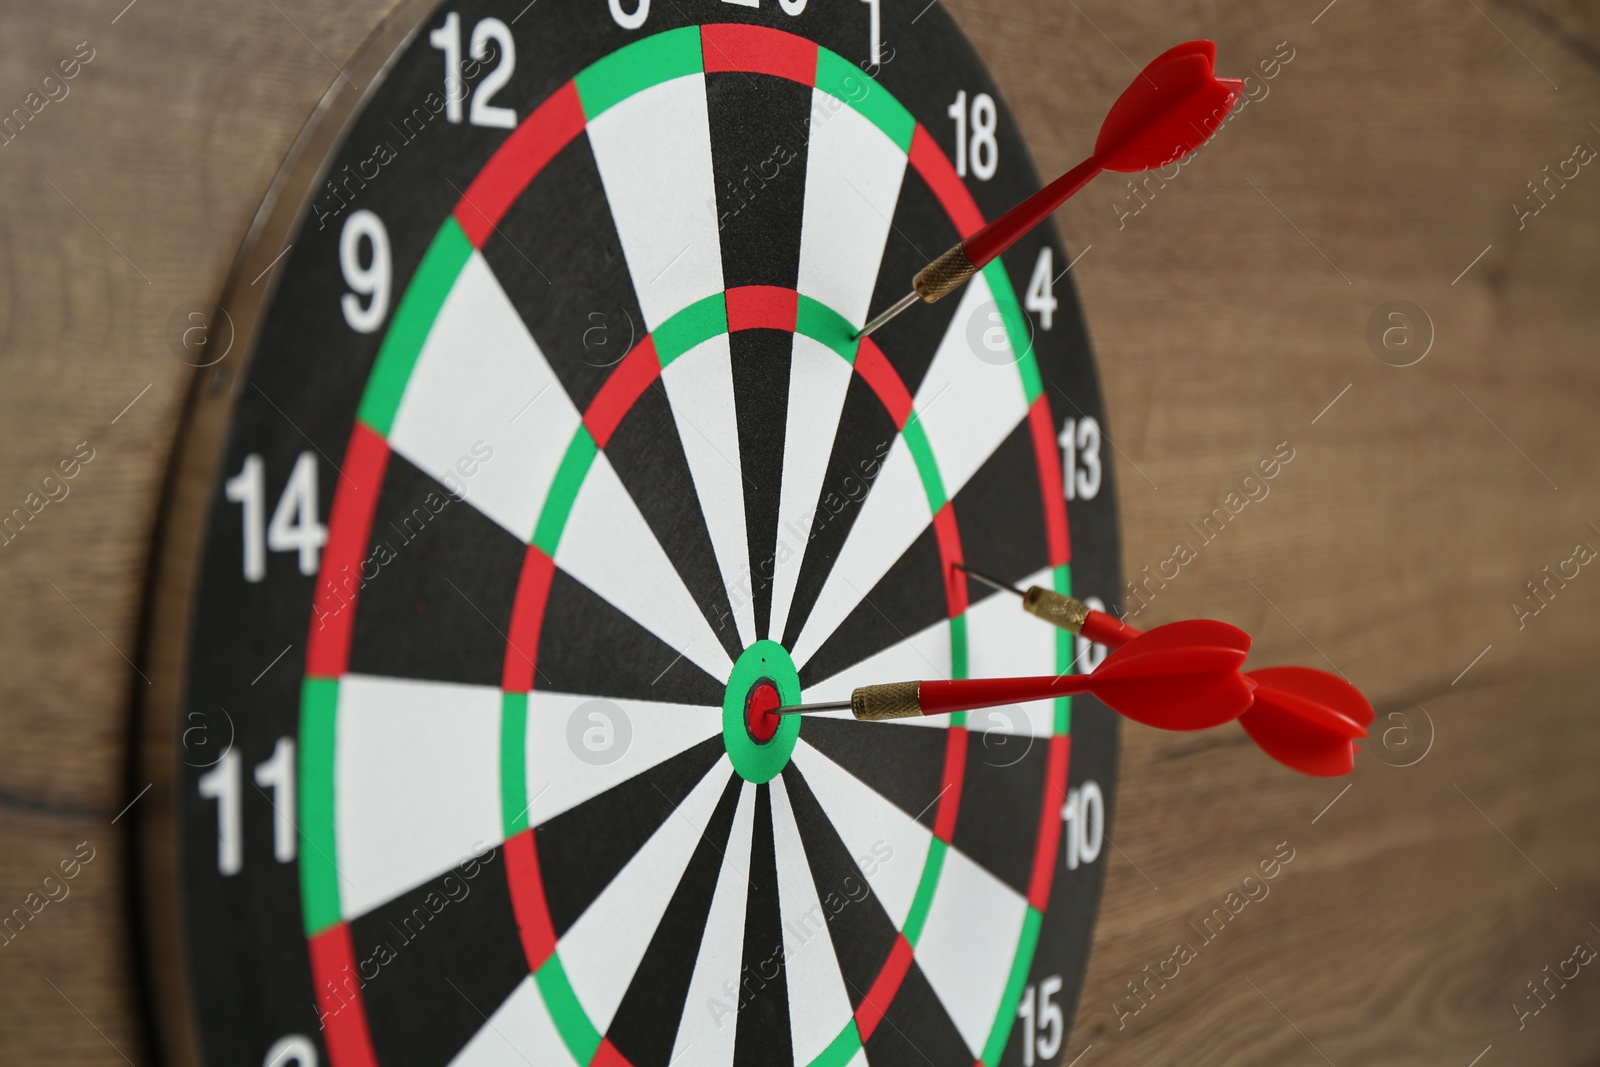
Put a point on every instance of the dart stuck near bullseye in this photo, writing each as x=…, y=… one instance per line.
x=1172, y=108
x=1181, y=676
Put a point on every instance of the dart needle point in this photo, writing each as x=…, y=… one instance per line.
x=899, y=306
x=813, y=709
x=1004, y=587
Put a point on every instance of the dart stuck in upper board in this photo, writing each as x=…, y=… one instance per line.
x=1172, y=108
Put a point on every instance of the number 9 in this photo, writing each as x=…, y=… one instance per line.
x=373, y=280
x=296, y=1050
x=633, y=21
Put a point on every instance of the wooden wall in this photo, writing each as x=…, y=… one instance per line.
x=1228, y=314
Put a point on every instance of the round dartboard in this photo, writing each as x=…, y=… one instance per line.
x=539, y=459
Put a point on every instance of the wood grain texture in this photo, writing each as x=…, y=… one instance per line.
x=1227, y=315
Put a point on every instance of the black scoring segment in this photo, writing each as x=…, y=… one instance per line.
x=624, y=817
x=759, y=141
x=920, y=232
x=1004, y=778
x=570, y=283
x=646, y=451
x=908, y=599
x=862, y=933
x=917, y=1031
x=866, y=433
x=1001, y=515
x=434, y=588
x=646, y=1024
x=903, y=764
x=761, y=366
x=763, y=1036
x=759, y=148
x=437, y=959
x=578, y=621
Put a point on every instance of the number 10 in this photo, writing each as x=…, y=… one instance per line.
x=1085, y=816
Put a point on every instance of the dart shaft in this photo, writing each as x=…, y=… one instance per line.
x=1005, y=231
x=905, y=700
x=1072, y=614
x=1068, y=613
x=956, y=266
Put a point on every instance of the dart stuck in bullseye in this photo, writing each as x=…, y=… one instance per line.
x=1182, y=676
x=1308, y=720
x=1172, y=108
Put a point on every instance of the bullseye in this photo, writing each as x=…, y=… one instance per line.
x=758, y=740
x=760, y=708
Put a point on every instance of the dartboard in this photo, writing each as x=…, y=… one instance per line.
x=548, y=458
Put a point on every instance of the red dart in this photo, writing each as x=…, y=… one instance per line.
x=1307, y=720
x=1184, y=676
x=1172, y=108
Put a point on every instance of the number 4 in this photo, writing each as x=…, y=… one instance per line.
x=1041, y=298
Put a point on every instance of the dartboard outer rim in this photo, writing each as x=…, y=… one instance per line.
x=178, y=539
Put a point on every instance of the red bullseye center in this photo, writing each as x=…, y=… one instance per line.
x=760, y=711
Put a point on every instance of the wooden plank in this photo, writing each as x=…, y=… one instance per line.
x=1227, y=315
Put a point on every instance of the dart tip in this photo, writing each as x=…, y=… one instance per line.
x=813, y=709
x=899, y=306
x=1004, y=587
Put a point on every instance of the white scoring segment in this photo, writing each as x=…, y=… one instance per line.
x=895, y=512
x=558, y=780
x=819, y=1004
x=853, y=176
x=520, y=1032
x=967, y=405
x=818, y=382
x=966, y=948
x=481, y=380
x=884, y=839
x=710, y=1020
x=418, y=767
x=1003, y=641
x=699, y=385
x=972, y=396
x=608, y=546
x=654, y=154
x=603, y=949
x=925, y=654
